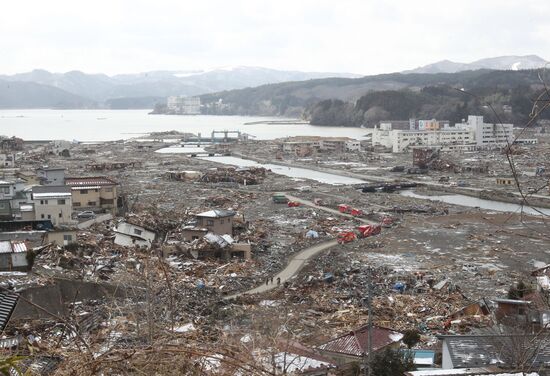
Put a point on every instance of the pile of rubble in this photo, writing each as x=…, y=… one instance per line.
x=241, y=175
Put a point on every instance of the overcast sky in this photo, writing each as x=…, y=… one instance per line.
x=358, y=36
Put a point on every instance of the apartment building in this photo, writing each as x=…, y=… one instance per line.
x=53, y=203
x=488, y=134
x=326, y=144
x=97, y=193
x=467, y=135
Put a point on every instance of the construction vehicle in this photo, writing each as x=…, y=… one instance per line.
x=293, y=204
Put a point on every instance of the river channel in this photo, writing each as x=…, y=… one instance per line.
x=479, y=203
x=293, y=172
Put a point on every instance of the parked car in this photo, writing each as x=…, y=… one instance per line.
x=86, y=214
x=279, y=198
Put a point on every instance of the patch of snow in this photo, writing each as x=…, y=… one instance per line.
x=246, y=338
x=395, y=336
x=516, y=65
x=296, y=363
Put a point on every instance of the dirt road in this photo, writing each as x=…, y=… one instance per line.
x=298, y=260
x=294, y=265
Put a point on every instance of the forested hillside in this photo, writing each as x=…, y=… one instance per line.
x=364, y=101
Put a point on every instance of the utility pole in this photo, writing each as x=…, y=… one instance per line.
x=368, y=359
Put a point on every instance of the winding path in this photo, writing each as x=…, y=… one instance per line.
x=298, y=260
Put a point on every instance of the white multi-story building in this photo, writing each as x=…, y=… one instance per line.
x=328, y=144
x=488, y=134
x=184, y=105
x=53, y=203
x=463, y=136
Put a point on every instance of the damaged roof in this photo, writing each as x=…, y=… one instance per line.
x=13, y=246
x=468, y=351
x=356, y=342
x=217, y=213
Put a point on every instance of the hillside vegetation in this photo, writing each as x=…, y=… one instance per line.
x=366, y=100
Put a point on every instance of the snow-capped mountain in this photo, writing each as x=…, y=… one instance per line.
x=498, y=63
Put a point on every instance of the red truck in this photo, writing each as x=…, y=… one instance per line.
x=293, y=204
x=369, y=230
x=343, y=208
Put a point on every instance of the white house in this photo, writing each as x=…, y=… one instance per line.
x=129, y=235
x=53, y=203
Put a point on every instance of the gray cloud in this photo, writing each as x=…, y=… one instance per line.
x=351, y=35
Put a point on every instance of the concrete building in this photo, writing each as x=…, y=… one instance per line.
x=53, y=203
x=7, y=160
x=184, y=105
x=301, y=144
x=488, y=134
x=51, y=175
x=467, y=135
x=61, y=236
x=129, y=235
x=97, y=193
x=402, y=140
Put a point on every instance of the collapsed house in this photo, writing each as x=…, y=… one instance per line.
x=129, y=234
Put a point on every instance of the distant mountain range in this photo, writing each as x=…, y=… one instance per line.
x=246, y=90
x=74, y=89
x=497, y=63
